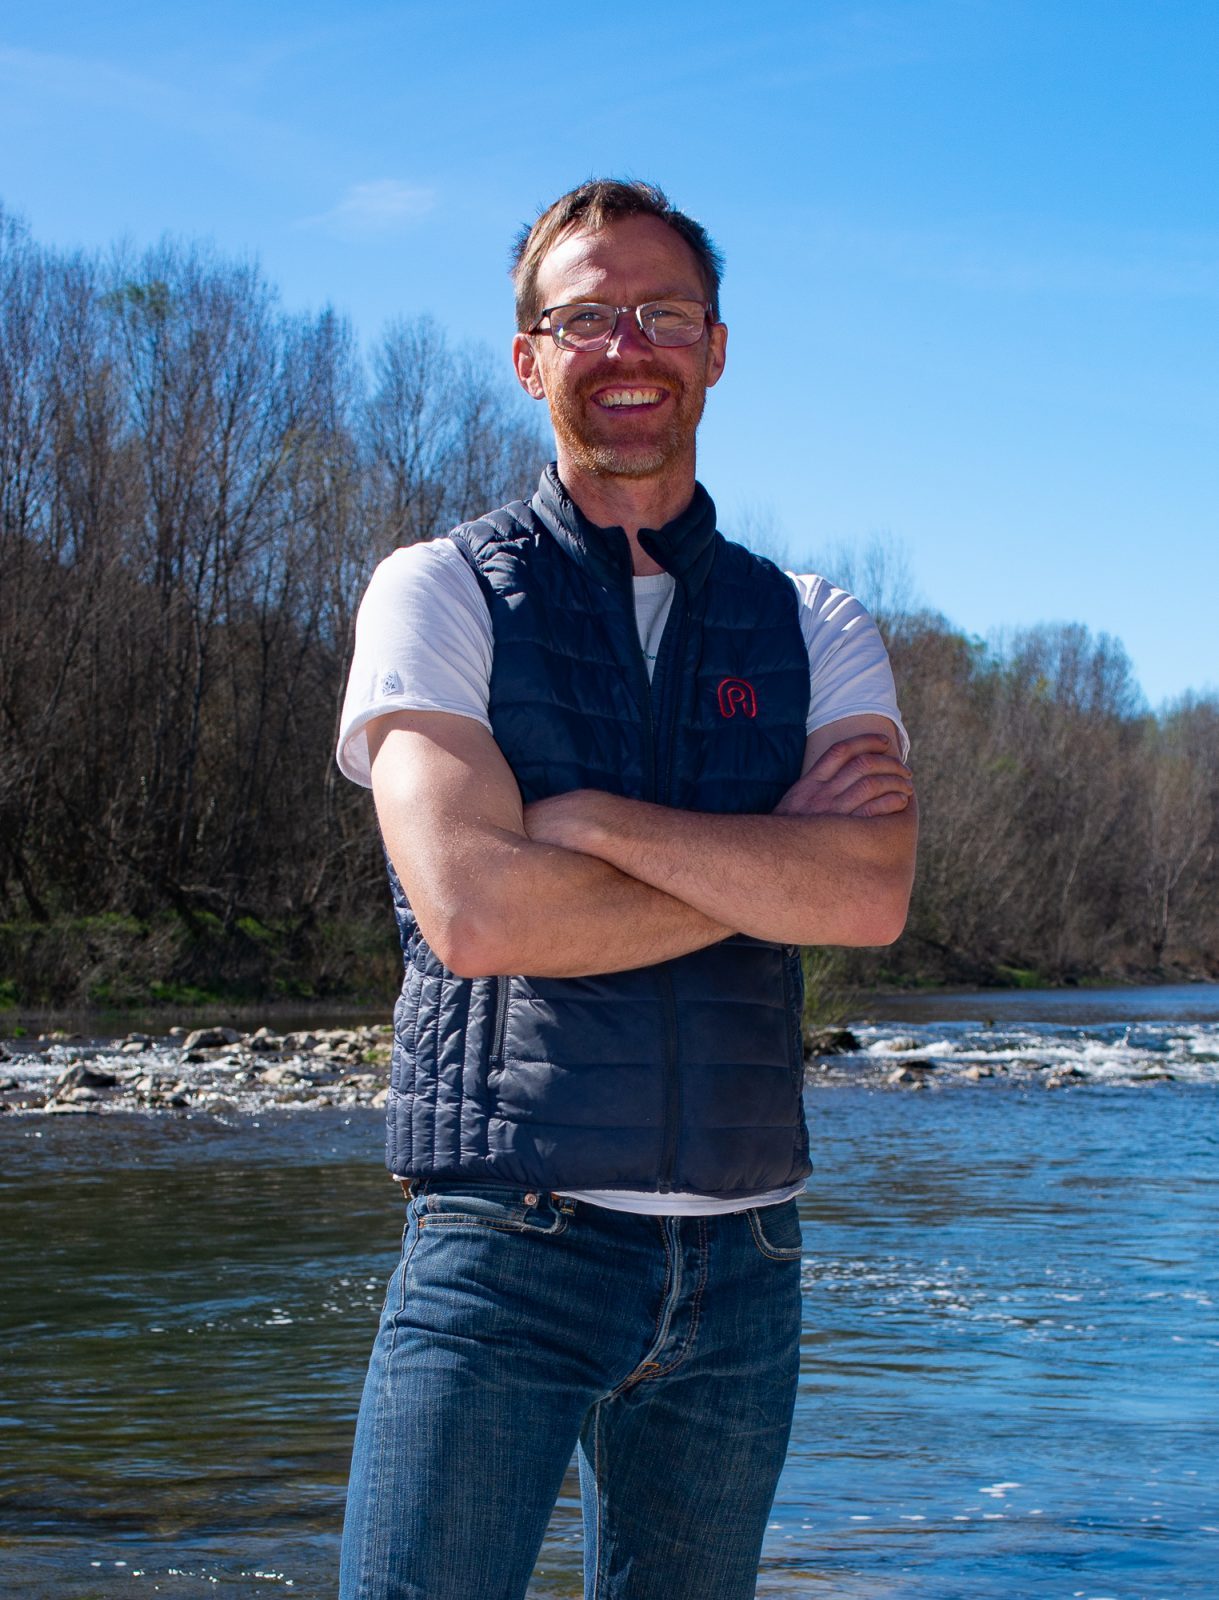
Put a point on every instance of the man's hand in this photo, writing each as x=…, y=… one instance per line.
x=562, y=818
x=855, y=778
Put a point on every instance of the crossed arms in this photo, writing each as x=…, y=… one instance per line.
x=591, y=882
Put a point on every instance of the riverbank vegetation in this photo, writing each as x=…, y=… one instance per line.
x=194, y=487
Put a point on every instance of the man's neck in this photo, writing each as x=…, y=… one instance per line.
x=629, y=504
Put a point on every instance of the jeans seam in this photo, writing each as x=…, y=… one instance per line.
x=406, y=1261
x=597, y=1480
x=384, y=1408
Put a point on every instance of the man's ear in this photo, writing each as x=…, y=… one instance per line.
x=717, y=352
x=528, y=368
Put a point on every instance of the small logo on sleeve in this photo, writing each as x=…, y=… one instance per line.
x=737, y=695
x=391, y=683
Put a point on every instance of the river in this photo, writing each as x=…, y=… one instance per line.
x=1010, y=1356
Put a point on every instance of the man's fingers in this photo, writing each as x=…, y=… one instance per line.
x=873, y=784
x=867, y=786
x=884, y=805
x=885, y=769
x=830, y=762
x=814, y=786
x=844, y=800
x=868, y=752
x=850, y=775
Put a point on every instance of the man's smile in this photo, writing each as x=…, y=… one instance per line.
x=616, y=398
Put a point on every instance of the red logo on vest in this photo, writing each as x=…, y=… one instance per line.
x=737, y=695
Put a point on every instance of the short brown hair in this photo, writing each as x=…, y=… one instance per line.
x=593, y=205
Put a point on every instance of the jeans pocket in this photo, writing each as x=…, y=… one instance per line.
x=776, y=1231
x=508, y=1210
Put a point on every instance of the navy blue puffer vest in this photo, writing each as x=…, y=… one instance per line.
x=686, y=1075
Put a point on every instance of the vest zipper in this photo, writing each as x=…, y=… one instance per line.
x=645, y=702
x=663, y=740
x=670, y=729
x=668, y=1160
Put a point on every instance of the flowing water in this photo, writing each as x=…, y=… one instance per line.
x=1011, y=1347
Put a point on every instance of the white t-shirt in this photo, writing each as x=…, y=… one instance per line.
x=424, y=643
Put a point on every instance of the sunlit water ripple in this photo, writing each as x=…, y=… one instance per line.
x=1031, y=1052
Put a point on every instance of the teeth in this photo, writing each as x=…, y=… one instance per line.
x=629, y=397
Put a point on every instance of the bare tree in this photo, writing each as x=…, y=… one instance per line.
x=194, y=488
x=445, y=438
x=1180, y=760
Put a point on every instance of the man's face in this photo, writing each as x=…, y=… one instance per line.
x=630, y=410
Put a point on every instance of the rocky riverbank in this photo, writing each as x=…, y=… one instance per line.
x=219, y=1070
x=216, y=1070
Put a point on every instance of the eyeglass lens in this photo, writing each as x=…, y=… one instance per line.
x=588, y=326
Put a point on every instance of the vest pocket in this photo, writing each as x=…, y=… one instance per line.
x=495, y=1056
x=793, y=995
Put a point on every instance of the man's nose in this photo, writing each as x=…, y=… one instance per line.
x=627, y=338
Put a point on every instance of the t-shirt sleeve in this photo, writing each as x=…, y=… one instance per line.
x=849, y=671
x=423, y=643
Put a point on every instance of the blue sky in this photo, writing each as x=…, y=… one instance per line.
x=973, y=245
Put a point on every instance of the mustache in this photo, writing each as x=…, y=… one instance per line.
x=631, y=380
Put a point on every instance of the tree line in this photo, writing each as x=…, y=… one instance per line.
x=1067, y=832
x=194, y=487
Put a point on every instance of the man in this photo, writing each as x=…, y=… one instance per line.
x=623, y=768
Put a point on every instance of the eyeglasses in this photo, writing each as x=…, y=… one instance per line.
x=588, y=325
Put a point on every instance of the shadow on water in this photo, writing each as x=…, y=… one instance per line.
x=1009, y=1358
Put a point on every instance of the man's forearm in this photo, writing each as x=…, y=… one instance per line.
x=550, y=912
x=587, y=882
x=488, y=898
x=797, y=879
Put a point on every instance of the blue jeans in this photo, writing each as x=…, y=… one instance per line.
x=518, y=1326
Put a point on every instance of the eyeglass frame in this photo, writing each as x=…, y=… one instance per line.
x=708, y=311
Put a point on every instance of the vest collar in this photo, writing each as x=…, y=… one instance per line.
x=684, y=547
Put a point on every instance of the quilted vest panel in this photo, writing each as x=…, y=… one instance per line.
x=686, y=1075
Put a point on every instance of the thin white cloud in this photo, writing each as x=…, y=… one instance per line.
x=54, y=75
x=377, y=206
x=33, y=82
